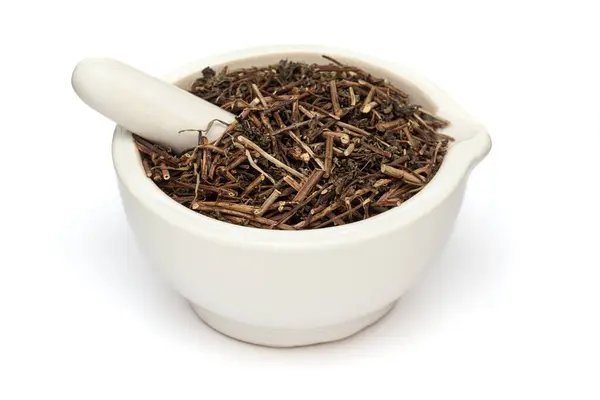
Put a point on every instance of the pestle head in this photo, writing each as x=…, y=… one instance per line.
x=146, y=105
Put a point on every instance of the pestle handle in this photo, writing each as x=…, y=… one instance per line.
x=145, y=105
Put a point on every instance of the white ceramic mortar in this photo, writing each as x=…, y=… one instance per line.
x=282, y=288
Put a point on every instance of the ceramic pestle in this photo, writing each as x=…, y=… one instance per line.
x=154, y=109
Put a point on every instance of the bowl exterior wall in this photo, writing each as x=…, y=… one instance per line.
x=291, y=287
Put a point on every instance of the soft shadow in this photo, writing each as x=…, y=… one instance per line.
x=106, y=259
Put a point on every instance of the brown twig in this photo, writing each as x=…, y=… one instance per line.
x=328, y=155
x=248, y=143
x=337, y=109
x=309, y=184
x=401, y=174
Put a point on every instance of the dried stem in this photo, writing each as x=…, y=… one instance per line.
x=248, y=143
x=328, y=155
x=401, y=174
x=352, y=96
x=292, y=182
x=366, y=104
x=252, y=185
x=342, y=138
x=337, y=109
x=310, y=183
x=256, y=167
x=268, y=202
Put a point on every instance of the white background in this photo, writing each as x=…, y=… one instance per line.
x=512, y=310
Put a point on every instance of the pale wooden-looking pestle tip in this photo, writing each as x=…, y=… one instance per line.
x=145, y=105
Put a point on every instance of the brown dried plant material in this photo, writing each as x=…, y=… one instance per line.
x=312, y=146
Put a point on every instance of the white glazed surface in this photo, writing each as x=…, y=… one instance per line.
x=305, y=280
x=154, y=109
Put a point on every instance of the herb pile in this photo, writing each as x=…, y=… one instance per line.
x=312, y=146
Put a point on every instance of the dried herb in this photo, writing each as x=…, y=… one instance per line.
x=312, y=146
